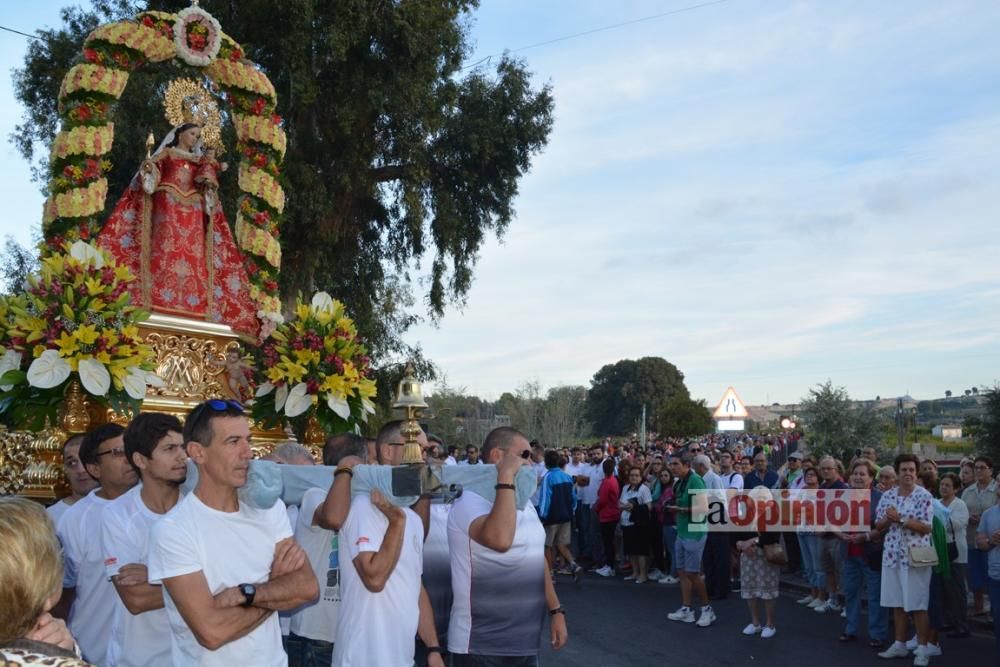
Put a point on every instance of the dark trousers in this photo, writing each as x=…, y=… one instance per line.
x=657, y=558
x=462, y=660
x=715, y=562
x=304, y=652
x=582, y=547
x=791, y=541
x=608, y=539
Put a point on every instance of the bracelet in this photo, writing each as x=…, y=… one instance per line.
x=343, y=469
x=557, y=610
x=434, y=649
x=505, y=486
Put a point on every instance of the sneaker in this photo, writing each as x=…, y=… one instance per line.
x=576, y=571
x=931, y=650
x=806, y=600
x=843, y=613
x=823, y=607
x=564, y=570
x=684, y=615
x=630, y=577
x=767, y=633
x=912, y=644
x=667, y=579
x=655, y=573
x=707, y=617
x=896, y=650
x=606, y=571
x=832, y=604
x=642, y=581
x=816, y=603
x=920, y=657
x=751, y=630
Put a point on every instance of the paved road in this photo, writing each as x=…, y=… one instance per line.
x=615, y=623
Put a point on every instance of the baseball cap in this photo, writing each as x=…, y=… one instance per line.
x=797, y=455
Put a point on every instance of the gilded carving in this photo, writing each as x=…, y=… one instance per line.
x=188, y=365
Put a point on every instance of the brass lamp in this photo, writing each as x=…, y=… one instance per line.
x=410, y=397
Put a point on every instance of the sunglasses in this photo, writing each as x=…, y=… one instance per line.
x=115, y=452
x=526, y=454
x=215, y=405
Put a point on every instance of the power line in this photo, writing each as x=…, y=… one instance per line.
x=18, y=32
x=596, y=30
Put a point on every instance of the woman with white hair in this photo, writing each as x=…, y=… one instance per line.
x=31, y=573
x=759, y=577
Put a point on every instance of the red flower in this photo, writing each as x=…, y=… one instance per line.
x=236, y=55
x=258, y=106
x=276, y=119
x=260, y=160
x=85, y=232
x=196, y=41
x=148, y=21
x=91, y=55
x=83, y=113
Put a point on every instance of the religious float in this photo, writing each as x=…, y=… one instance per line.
x=157, y=302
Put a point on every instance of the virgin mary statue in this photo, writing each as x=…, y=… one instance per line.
x=170, y=231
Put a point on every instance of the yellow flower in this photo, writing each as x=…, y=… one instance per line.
x=307, y=356
x=275, y=374
x=130, y=331
x=94, y=286
x=366, y=388
x=334, y=384
x=67, y=345
x=302, y=311
x=350, y=373
x=87, y=334
x=103, y=357
x=37, y=351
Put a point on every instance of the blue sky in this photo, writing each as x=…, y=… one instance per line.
x=766, y=193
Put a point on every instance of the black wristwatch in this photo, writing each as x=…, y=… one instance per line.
x=434, y=649
x=249, y=592
x=557, y=610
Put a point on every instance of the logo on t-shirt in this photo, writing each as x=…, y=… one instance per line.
x=108, y=562
x=362, y=540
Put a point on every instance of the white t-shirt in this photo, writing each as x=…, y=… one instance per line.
x=93, y=609
x=499, y=598
x=540, y=471
x=378, y=628
x=57, y=510
x=136, y=640
x=642, y=496
x=732, y=480
x=285, y=617
x=229, y=548
x=319, y=619
x=588, y=494
x=437, y=569
x=450, y=461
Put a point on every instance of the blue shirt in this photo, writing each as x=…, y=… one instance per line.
x=989, y=523
x=752, y=480
x=557, y=497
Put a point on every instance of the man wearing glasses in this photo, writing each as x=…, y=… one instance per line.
x=86, y=589
x=979, y=497
x=226, y=566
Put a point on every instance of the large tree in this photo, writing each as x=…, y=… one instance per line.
x=619, y=391
x=396, y=154
x=835, y=425
x=680, y=417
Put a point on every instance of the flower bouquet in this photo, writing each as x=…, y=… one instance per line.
x=73, y=323
x=315, y=366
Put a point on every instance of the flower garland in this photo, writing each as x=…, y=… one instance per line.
x=315, y=365
x=197, y=36
x=75, y=318
x=86, y=100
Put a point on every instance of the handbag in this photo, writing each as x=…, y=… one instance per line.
x=923, y=556
x=775, y=554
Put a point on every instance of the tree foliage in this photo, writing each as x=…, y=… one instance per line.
x=834, y=425
x=563, y=420
x=396, y=154
x=618, y=392
x=987, y=433
x=680, y=417
x=16, y=263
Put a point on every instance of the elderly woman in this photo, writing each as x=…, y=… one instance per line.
x=31, y=571
x=759, y=577
x=904, y=516
x=863, y=566
x=886, y=479
x=955, y=591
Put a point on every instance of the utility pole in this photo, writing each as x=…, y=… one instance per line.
x=900, y=425
x=642, y=428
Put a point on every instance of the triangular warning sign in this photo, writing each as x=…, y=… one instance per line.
x=731, y=407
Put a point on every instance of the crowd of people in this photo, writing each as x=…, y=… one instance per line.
x=130, y=570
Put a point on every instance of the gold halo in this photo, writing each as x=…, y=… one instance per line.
x=185, y=101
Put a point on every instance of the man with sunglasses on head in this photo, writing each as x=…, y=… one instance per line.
x=87, y=592
x=140, y=632
x=502, y=586
x=225, y=565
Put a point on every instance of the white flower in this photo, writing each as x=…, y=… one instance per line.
x=339, y=405
x=214, y=40
x=135, y=383
x=322, y=302
x=154, y=380
x=264, y=389
x=96, y=379
x=280, y=397
x=83, y=252
x=10, y=361
x=368, y=406
x=298, y=400
x=48, y=370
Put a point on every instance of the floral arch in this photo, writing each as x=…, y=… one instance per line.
x=78, y=188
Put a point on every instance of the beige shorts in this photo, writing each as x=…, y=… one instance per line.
x=557, y=533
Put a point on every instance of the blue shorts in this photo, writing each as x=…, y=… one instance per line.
x=977, y=569
x=689, y=554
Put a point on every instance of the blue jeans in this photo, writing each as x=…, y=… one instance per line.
x=812, y=567
x=670, y=542
x=855, y=573
x=304, y=652
x=993, y=586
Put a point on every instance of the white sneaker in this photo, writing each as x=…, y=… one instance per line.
x=655, y=573
x=931, y=650
x=707, y=617
x=920, y=657
x=630, y=577
x=897, y=650
x=912, y=644
x=751, y=630
x=832, y=604
x=816, y=603
x=822, y=608
x=806, y=600
x=605, y=571
x=767, y=633
x=667, y=579
x=843, y=613
x=684, y=615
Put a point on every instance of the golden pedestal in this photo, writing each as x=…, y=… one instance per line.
x=189, y=359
